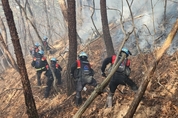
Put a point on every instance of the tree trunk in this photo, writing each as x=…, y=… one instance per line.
x=3, y=31
x=150, y=72
x=47, y=20
x=93, y=11
x=105, y=27
x=63, y=7
x=72, y=43
x=29, y=100
x=24, y=36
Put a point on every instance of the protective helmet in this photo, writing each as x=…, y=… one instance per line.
x=82, y=55
x=41, y=52
x=37, y=44
x=45, y=38
x=53, y=59
x=126, y=51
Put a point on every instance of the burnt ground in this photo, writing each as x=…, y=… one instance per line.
x=160, y=98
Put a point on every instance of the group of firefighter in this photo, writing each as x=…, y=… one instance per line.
x=81, y=72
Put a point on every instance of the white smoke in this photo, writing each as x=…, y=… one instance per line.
x=149, y=25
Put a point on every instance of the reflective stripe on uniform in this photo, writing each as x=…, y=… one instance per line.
x=40, y=68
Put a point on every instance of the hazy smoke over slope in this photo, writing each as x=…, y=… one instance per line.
x=149, y=26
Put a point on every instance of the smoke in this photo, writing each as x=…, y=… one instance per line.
x=149, y=26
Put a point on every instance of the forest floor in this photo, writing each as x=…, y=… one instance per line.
x=159, y=101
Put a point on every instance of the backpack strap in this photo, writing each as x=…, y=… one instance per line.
x=113, y=59
x=128, y=62
x=43, y=59
x=57, y=66
x=78, y=64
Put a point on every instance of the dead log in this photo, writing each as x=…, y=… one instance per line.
x=146, y=80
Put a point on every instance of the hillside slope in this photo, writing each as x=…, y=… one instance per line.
x=160, y=99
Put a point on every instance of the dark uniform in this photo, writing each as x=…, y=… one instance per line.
x=121, y=76
x=83, y=74
x=45, y=43
x=46, y=46
x=57, y=71
x=34, y=50
x=40, y=63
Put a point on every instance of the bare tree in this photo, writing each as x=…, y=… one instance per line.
x=72, y=43
x=23, y=30
x=93, y=11
x=7, y=54
x=135, y=34
x=105, y=27
x=64, y=8
x=3, y=43
x=165, y=8
x=3, y=31
x=29, y=100
x=47, y=19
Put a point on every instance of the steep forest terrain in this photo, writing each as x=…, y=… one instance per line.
x=159, y=101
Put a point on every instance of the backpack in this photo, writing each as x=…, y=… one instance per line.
x=84, y=71
x=124, y=66
x=38, y=62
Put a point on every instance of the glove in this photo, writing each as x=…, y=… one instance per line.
x=103, y=74
x=72, y=75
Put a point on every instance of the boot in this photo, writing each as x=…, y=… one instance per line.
x=134, y=88
x=78, y=101
x=109, y=101
x=38, y=82
x=47, y=91
x=46, y=94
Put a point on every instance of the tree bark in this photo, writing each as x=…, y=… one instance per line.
x=150, y=72
x=72, y=43
x=29, y=100
x=105, y=27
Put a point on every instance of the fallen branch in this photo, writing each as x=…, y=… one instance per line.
x=150, y=71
